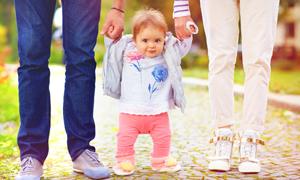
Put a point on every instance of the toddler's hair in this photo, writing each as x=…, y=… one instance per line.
x=144, y=18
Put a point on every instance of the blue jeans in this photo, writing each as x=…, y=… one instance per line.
x=80, y=30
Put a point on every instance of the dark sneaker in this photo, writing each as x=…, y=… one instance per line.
x=89, y=164
x=31, y=169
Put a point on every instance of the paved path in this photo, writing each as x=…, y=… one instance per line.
x=283, y=101
x=280, y=157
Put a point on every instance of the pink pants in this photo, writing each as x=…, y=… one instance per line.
x=130, y=126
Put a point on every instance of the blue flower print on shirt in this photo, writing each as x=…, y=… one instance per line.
x=160, y=74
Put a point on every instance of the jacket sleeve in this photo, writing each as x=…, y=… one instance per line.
x=175, y=46
x=113, y=65
x=172, y=54
x=110, y=42
x=184, y=46
x=107, y=41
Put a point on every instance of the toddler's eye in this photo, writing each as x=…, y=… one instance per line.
x=144, y=40
x=157, y=40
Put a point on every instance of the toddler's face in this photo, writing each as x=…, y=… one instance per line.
x=150, y=41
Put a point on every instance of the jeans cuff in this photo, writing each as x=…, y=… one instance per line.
x=78, y=153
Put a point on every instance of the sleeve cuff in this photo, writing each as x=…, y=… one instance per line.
x=181, y=14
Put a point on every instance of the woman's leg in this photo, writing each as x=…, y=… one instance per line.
x=220, y=20
x=221, y=27
x=258, y=26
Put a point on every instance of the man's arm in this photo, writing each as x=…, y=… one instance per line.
x=182, y=15
x=114, y=22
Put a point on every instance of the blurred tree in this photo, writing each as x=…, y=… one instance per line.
x=288, y=17
x=7, y=19
x=6, y=15
x=3, y=37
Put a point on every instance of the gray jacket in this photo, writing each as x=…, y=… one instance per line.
x=113, y=65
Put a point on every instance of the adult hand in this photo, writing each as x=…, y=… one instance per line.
x=113, y=25
x=180, y=27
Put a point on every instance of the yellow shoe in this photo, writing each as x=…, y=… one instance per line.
x=124, y=168
x=170, y=165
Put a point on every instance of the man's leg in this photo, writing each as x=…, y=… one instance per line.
x=34, y=21
x=80, y=30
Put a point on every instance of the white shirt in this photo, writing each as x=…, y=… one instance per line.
x=143, y=92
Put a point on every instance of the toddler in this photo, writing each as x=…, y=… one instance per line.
x=143, y=71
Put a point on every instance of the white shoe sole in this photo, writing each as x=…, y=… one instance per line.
x=219, y=165
x=249, y=167
x=32, y=177
x=120, y=172
x=168, y=169
x=78, y=171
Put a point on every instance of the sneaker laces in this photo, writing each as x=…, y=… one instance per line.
x=94, y=158
x=27, y=165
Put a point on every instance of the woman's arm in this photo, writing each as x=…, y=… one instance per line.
x=181, y=15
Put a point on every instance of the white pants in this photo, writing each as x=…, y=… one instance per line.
x=258, y=26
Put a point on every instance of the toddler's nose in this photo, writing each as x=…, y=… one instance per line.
x=152, y=45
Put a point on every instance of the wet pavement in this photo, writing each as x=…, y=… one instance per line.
x=280, y=157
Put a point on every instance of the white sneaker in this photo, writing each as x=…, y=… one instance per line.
x=223, y=141
x=31, y=169
x=89, y=164
x=248, y=148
